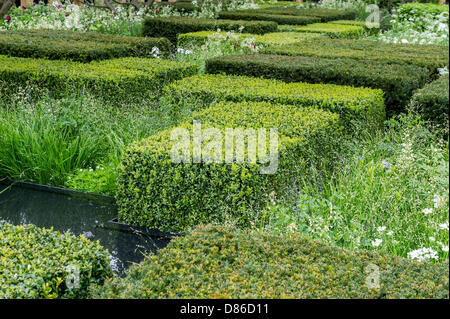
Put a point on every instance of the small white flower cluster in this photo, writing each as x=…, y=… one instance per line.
x=183, y=51
x=423, y=254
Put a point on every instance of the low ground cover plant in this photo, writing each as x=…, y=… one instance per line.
x=223, y=262
x=38, y=263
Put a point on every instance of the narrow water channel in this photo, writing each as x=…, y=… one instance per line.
x=19, y=205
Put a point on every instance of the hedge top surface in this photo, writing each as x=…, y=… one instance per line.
x=34, y=261
x=267, y=39
x=119, y=68
x=292, y=122
x=351, y=103
x=218, y=262
x=83, y=47
x=170, y=27
x=332, y=30
x=280, y=19
x=237, y=88
x=429, y=56
x=322, y=13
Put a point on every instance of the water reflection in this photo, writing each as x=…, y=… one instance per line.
x=79, y=216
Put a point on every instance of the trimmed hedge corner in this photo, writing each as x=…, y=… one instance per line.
x=156, y=192
x=114, y=79
x=171, y=27
x=77, y=46
x=428, y=56
x=397, y=81
x=34, y=263
x=352, y=104
x=219, y=262
x=280, y=19
x=331, y=30
x=432, y=101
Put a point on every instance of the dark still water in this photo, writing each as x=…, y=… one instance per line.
x=19, y=205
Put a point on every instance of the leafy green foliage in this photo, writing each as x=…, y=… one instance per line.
x=280, y=19
x=352, y=104
x=397, y=81
x=432, y=102
x=330, y=29
x=428, y=56
x=323, y=14
x=219, y=262
x=76, y=46
x=171, y=27
x=156, y=192
x=35, y=263
x=115, y=79
x=192, y=39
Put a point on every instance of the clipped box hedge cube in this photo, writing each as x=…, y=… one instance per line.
x=323, y=14
x=35, y=263
x=115, y=79
x=223, y=262
x=187, y=40
x=352, y=104
x=428, y=56
x=371, y=30
x=280, y=19
x=331, y=30
x=77, y=46
x=396, y=80
x=432, y=101
x=171, y=27
x=156, y=192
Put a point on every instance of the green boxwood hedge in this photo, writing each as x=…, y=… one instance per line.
x=352, y=104
x=330, y=29
x=77, y=46
x=428, y=56
x=191, y=39
x=35, y=263
x=219, y=262
x=280, y=19
x=171, y=27
x=432, y=101
x=396, y=80
x=323, y=14
x=362, y=24
x=115, y=79
x=154, y=191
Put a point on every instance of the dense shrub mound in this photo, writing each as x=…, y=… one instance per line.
x=396, y=80
x=171, y=27
x=432, y=102
x=428, y=56
x=114, y=79
x=156, y=191
x=280, y=19
x=330, y=29
x=77, y=46
x=218, y=262
x=187, y=40
x=352, y=104
x=35, y=263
